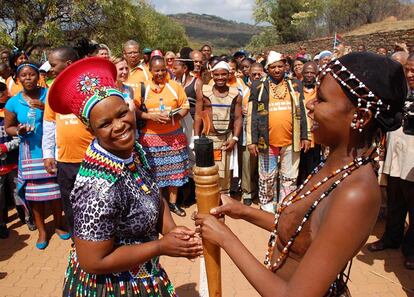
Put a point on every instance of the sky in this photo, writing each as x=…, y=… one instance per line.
x=236, y=10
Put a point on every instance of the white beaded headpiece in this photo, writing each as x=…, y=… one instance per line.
x=366, y=98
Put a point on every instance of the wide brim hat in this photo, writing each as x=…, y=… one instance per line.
x=81, y=85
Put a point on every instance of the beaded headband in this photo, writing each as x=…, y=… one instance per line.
x=33, y=66
x=90, y=102
x=357, y=88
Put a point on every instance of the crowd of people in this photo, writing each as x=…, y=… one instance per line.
x=109, y=141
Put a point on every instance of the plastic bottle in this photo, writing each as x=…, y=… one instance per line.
x=31, y=119
x=162, y=106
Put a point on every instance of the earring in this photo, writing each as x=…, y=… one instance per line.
x=354, y=121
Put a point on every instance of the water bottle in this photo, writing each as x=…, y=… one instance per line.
x=162, y=106
x=31, y=119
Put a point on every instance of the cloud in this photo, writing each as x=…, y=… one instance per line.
x=236, y=10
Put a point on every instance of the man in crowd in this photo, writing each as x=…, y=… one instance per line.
x=278, y=128
x=65, y=138
x=311, y=158
x=137, y=72
x=198, y=60
x=206, y=51
x=221, y=106
x=399, y=166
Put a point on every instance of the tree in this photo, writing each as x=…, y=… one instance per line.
x=296, y=20
x=40, y=23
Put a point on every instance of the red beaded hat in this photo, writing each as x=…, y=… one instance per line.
x=81, y=85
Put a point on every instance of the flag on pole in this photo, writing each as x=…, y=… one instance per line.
x=337, y=40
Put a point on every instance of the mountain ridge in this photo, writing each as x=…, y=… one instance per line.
x=223, y=35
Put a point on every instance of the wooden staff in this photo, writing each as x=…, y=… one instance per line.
x=207, y=191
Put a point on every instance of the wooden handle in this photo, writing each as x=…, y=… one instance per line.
x=208, y=196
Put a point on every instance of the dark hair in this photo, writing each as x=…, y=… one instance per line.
x=66, y=53
x=247, y=59
x=13, y=58
x=234, y=61
x=205, y=45
x=154, y=59
x=85, y=47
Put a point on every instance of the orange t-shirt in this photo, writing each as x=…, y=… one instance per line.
x=138, y=75
x=173, y=96
x=14, y=87
x=72, y=137
x=309, y=95
x=280, y=120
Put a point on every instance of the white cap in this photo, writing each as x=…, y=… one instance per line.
x=45, y=67
x=274, y=57
x=221, y=65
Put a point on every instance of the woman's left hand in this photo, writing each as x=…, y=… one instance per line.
x=36, y=103
x=211, y=229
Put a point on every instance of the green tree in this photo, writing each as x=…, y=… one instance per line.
x=41, y=23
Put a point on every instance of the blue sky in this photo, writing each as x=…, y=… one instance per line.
x=236, y=10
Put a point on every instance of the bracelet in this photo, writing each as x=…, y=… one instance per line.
x=17, y=131
x=196, y=137
x=235, y=138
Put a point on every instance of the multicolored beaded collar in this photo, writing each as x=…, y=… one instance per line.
x=102, y=164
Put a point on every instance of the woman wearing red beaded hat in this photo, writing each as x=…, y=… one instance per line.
x=322, y=225
x=118, y=212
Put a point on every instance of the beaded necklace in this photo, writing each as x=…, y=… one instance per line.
x=291, y=199
x=279, y=90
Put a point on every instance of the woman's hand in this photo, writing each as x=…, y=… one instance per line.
x=36, y=103
x=178, y=243
x=160, y=118
x=230, y=207
x=22, y=129
x=211, y=229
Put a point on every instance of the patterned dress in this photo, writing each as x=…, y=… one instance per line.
x=116, y=198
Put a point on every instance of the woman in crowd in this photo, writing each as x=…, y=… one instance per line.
x=122, y=74
x=16, y=58
x=162, y=137
x=23, y=118
x=118, y=213
x=169, y=62
x=321, y=226
x=104, y=51
x=298, y=68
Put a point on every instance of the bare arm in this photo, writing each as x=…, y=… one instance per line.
x=345, y=226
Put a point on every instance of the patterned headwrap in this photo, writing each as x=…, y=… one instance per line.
x=80, y=86
x=383, y=92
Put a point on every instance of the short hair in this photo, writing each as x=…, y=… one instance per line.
x=411, y=57
x=66, y=53
x=130, y=43
x=205, y=45
x=310, y=63
x=257, y=65
x=154, y=59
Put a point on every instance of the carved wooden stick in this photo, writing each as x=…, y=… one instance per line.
x=207, y=191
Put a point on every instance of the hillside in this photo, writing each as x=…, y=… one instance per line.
x=222, y=34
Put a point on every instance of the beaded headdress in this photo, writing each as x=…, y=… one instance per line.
x=381, y=91
x=81, y=85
